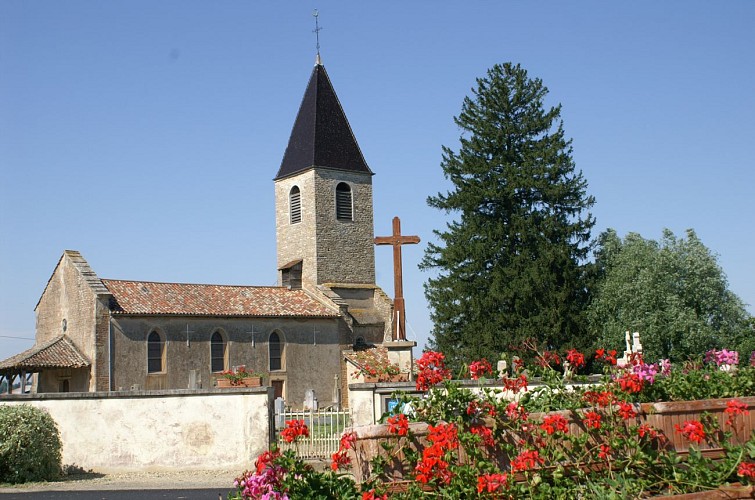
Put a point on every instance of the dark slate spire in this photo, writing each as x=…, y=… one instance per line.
x=321, y=136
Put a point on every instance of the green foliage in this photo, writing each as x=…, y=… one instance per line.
x=684, y=384
x=672, y=291
x=29, y=445
x=508, y=266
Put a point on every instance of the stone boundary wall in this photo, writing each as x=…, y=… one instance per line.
x=169, y=430
x=367, y=400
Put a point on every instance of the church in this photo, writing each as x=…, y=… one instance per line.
x=97, y=334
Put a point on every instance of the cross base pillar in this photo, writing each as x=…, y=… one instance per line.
x=400, y=353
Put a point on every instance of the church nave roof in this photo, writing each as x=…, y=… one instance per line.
x=181, y=299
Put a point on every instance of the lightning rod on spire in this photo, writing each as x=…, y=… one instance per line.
x=316, y=31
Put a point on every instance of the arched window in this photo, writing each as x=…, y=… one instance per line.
x=155, y=353
x=218, y=349
x=294, y=202
x=344, y=209
x=276, y=351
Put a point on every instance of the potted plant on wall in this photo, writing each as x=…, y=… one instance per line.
x=382, y=373
x=239, y=377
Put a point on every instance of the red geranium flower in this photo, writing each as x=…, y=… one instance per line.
x=526, y=460
x=347, y=440
x=592, y=420
x=547, y=358
x=431, y=370
x=626, y=410
x=692, y=430
x=265, y=459
x=444, y=435
x=607, y=356
x=484, y=432
x=294, y=429
x=631, y=382
x=340, y=460
x=576, y=358
x=516, y=412
x=554, y=423
x=605, y=451
x=515, y=384
x=371, y=495
x=746, y=469
x=647, y=430
x=480, y=368
x=734, y=408
x=603, y=398
x=398, y=425
x=491, y=482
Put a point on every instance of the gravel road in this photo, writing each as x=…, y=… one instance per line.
x=194, y=479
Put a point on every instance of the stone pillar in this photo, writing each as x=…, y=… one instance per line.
x=400, y=353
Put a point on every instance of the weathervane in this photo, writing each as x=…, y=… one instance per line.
x=316, y=31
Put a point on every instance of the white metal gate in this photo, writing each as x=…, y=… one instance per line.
x=325, y=430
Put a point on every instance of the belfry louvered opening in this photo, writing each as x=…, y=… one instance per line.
x=294, y=198
x=344, y=208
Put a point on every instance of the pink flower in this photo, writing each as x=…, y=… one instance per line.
x=646, y=372
x=665, y=366
x=722, y=357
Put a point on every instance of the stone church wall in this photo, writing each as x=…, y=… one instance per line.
x=310, y=359
x=159, y=431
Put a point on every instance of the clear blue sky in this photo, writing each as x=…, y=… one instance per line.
x=146, y=134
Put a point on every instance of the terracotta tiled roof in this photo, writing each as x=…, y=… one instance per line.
x=369, y=355
x=56, y=353
x=142, y=297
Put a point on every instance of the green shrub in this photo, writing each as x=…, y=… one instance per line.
x=29, y=445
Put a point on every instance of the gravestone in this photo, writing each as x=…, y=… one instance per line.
x=280, y=408
x=502, y=368
x=310, y=400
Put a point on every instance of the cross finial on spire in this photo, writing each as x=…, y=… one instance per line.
x=316, y=31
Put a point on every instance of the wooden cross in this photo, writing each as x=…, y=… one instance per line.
x=397, y=239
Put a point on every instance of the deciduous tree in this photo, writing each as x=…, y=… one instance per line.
x=673, y=292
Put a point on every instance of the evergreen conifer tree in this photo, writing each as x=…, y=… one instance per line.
x=508, y=265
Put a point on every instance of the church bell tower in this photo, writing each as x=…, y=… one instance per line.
x=323, y=196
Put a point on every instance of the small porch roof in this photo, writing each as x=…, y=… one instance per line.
x=56, y=353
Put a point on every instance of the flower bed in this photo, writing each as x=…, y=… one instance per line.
x=380, y=441
x=602, y=440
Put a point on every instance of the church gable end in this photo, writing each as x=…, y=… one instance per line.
x=75, y=303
